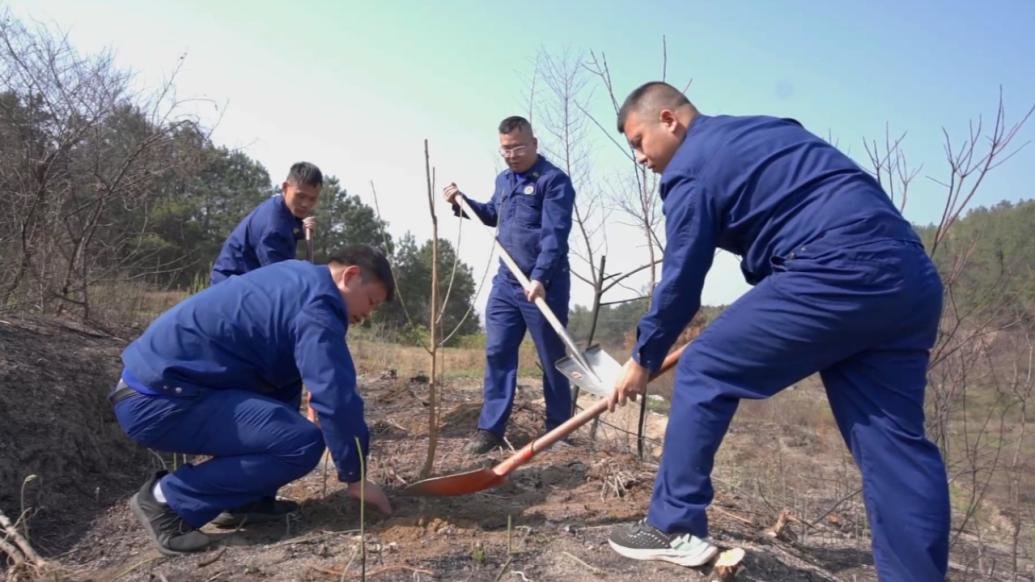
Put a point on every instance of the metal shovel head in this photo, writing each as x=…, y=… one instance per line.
x=456, y=484
x=606, y=368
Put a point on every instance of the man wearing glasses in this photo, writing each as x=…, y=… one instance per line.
x=531, y=207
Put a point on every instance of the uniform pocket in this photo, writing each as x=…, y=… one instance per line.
x=144, y=418
x=528, y=210
x=882, y=265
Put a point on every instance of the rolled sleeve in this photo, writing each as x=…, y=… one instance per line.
x=691, y=233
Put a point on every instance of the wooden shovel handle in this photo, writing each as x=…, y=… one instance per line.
x=308, y=244
x=551, y=318
x=309, y=412
x=547, y=440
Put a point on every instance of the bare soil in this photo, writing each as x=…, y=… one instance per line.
x=549, y=522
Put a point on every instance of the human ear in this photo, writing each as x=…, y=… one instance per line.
x=668, y=120
x=349, y=274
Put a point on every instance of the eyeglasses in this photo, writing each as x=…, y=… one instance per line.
x=513, y=151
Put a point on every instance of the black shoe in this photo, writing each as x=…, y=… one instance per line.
x=264, y=510
x=168, y=531
x=643, y=541
x=482, y=442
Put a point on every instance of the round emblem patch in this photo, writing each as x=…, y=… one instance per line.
x=530, y=189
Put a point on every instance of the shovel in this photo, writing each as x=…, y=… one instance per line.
x=585, y=366
x=308, y=244
x=603, y=366
x=474, y=481
x=309, y=412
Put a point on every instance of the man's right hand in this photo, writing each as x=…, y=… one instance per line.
x=372, y=494
x=450, y=192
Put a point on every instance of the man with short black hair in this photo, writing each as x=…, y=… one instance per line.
x=221, y=373
x=270, y=232
x=842, y=287
x=531, y=206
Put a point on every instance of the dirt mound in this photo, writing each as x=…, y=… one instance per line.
x=63, y=459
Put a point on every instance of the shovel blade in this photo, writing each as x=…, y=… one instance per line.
x=457, y=484
x=604, y=367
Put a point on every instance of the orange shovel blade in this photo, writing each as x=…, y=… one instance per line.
x=458, y=484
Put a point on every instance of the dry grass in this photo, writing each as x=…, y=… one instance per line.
x=372, y=356
x=132, y=303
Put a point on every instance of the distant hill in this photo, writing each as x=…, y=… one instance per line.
x=616, y=325
x=998, y=246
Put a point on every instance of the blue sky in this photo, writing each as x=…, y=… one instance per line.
x=355, y=87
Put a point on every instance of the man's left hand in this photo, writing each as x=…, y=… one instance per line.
x=535, y=289
x=371, y=494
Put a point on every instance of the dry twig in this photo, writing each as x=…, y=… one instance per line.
x=590, y=567
x=400, y=567
x=17, y=547
x=213, y=559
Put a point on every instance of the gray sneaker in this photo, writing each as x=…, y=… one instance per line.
x=264, y=510
x=642, y=541
x=168, y=531
x=482, y=442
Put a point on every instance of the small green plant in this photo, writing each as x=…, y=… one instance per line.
x=478, y=554
x=23, y=517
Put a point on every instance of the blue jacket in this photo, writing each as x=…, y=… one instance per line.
x=267, y=331
x=267, y=235
x=533, y=212
x=762, y=188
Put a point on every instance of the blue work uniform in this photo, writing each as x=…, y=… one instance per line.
x=221, y=374
x=269, y=234
x=532, y=211
x=842, y=286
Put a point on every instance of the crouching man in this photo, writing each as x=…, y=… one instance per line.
x=221, y=374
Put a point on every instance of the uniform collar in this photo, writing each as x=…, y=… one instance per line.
x=533, y=173
x=697, y=118
x=331, y=289
x=283, y=208
x=675, y=164
x=285, y=218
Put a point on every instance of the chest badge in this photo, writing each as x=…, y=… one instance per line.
x=530, y=189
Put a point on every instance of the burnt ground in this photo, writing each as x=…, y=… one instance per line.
x=55, y=424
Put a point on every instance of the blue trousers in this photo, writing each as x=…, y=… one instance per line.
x=257, y=444
x=865, y=318
x=507, y=315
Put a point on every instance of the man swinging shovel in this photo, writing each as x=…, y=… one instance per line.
x=531, y=207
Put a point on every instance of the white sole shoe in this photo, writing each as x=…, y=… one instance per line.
x=692, y=560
